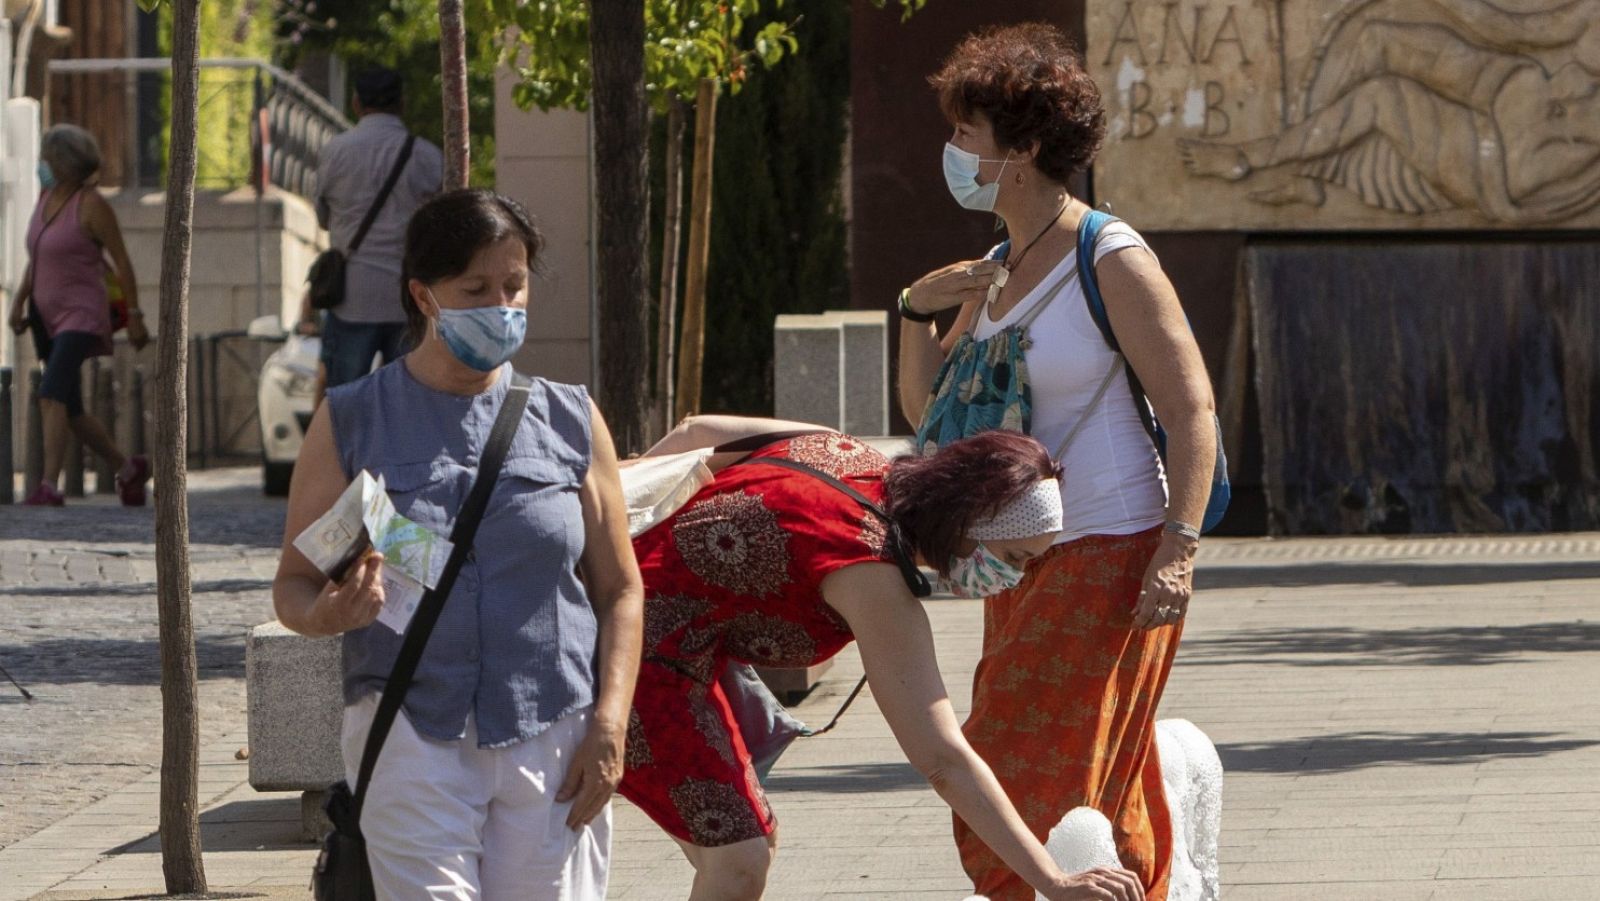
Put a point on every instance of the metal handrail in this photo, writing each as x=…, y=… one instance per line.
x=302, y=91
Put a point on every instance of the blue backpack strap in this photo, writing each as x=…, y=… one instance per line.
x=1089, y=229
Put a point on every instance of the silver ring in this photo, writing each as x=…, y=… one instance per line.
x=970, y=273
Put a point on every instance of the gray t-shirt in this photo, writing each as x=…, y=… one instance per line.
x=350, y=171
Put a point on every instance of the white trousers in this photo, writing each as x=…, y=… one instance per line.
x=449, y=820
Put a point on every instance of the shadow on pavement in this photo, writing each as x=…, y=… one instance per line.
x=1359, y=750
x=868, y=777
x=1412, y=575
x=268, y=824
x=115, y=661
x=1452, y=646
x=137, y=589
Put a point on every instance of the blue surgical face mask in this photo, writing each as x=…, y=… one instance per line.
x=961, y=175
x=981, y=574
x=483, y=337
x=47, y=176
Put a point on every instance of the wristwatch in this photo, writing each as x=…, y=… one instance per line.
x=909, y=314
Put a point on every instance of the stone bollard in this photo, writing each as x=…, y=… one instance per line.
x=105, y=410
x=295, y=712
x=866, y=371
x=33, y=460
x=808, y=370
x=833, y=369
x=8, y=475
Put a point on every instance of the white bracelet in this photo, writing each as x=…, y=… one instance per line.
x=1182, y=528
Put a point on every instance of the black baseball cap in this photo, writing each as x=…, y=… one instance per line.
x=378, y=88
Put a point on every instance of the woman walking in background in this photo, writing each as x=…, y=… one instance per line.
x=1076, y=655
x=63, y=297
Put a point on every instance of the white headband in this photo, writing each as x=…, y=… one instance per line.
x=1036, y=513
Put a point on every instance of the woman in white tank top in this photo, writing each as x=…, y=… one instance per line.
x=1075, y=656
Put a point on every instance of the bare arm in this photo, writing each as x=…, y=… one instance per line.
x=19, y=301
x=1150, y=325
x=611, y=577
x=303, y=598
x=897, y=652
x=921, y=351
x=697, y=432
x=101, y=222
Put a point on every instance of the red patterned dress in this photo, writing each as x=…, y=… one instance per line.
x=736, y=575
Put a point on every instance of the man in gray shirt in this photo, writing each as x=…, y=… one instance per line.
x=351, y=171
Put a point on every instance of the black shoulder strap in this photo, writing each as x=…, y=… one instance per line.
x=383, y=196
x=422, y=622
x=915, y=580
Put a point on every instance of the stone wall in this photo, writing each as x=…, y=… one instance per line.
x=542, y=159
x=1392, y=114
x=222, y=269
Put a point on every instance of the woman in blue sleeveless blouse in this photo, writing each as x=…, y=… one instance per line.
x=497, y=778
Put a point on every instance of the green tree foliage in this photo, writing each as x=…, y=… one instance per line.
x=228, y=28
x=778, y=231
x=685, y=41
x=404, y=35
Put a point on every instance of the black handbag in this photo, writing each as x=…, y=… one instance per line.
x=326, y=277
x=341, y=872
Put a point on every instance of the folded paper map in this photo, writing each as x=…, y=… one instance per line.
x=363, y=517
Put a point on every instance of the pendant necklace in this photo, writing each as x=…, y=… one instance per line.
x=1003, y=274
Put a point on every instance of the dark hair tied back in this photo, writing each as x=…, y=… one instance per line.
x=448, y=231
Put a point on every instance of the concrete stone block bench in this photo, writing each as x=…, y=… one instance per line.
x=295, y=712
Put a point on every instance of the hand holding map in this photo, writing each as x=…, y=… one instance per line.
x=363, y=517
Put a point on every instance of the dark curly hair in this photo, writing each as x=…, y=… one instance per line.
x=1029, y=82
x=444, y=235
x=935, y=499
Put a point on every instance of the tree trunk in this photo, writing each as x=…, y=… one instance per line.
x=616, y=48
x=180, y=719
x=453, y=82
x=667, y=310
x=692, y=347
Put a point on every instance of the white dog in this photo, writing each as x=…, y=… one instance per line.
x=1191, y=773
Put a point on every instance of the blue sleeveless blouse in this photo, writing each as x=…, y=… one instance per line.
x=516, y=644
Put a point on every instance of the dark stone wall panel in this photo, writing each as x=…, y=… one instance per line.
x=1428, y=387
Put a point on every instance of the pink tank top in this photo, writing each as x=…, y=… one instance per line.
x=68, y=272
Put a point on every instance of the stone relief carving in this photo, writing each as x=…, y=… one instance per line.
x=1388, y=113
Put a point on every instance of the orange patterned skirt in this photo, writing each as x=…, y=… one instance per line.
x=1064, y=705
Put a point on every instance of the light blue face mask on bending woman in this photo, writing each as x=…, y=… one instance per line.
x=483, y=337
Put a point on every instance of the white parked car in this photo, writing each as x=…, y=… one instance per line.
x=286, y=400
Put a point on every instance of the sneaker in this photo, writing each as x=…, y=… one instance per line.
x=44, y=496
x=131, y=479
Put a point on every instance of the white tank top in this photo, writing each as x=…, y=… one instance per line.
x=1113, y=482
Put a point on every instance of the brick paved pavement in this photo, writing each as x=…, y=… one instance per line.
x=78, y=628
x=1399, y=719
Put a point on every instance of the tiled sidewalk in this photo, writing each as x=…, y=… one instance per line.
x=1403, y=719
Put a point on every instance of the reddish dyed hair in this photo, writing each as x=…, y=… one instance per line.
x=936, y=499
x=1029, y=82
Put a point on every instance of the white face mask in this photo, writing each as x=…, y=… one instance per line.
x=981, y=574
x=961, y=175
